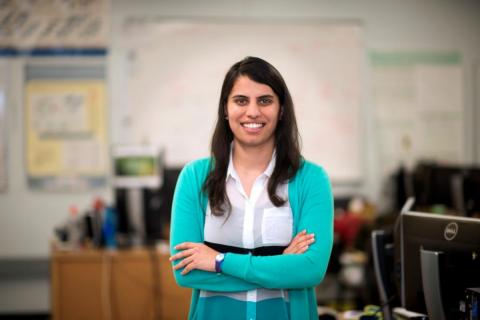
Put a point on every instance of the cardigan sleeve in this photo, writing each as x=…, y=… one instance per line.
x=187, y=226
x=295, y=271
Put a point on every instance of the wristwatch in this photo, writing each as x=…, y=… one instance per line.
x=218, y=262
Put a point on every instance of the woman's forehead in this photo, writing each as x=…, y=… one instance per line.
x=245, y=86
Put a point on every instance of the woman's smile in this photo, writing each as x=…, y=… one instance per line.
x=253, y=127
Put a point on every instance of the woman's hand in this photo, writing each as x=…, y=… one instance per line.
x=300, y=243
x=194, y=256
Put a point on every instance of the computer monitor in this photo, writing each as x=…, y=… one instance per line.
x=471, y=193
x=455, y=187
x=456, y=240
x=138, y=176
x=433, y=184
x=137, y=166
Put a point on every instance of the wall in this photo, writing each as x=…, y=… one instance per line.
x=406, y=25
x=27, y=218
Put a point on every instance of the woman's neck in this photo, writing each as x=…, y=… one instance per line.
x=251, y=159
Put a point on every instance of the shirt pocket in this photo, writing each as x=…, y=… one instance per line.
x=277, y=225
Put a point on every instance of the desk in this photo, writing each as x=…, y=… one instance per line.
x=110, y=285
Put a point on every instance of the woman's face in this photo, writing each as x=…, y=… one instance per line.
x=253, y=111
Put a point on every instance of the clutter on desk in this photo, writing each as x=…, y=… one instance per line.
x=94, y=228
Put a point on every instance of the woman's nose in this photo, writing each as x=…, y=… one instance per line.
x=253, y=110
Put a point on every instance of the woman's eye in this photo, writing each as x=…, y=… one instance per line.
x=265, y=101
x=241, y=102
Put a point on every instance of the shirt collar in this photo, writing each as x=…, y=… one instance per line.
x=231, y=172
x=271, y=165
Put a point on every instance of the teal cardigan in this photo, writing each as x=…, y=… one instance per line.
x=311, y=201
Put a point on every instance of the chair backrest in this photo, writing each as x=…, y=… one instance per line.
x=383, y=263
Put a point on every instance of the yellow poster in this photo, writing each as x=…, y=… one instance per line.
x=66, y=133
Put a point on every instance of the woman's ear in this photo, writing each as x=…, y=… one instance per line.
x=225, y=113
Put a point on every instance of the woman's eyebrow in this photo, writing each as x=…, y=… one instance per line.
x=239, y=96
x=265, y=96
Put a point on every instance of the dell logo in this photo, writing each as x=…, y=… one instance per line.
x=450, y=231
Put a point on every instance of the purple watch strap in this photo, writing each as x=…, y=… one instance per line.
x=218, y=263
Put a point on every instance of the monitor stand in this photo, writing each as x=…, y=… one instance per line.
x=430, y=261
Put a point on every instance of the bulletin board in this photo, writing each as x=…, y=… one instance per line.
x=65, y=128
x=414, y=124
x=174, y=71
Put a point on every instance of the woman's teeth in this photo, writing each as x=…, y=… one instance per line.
x=253, y=125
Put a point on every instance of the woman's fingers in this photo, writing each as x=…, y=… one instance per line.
x=194, y=256
x=183, y=263
x=187, y=248
x=304, y=247
x=300, y=243
x=188, y=268
x=308, y=239
x=305, y=243
x=182, y=254
x=291, y=247
x=185, y=245
x=302, y=240
x=300, y=234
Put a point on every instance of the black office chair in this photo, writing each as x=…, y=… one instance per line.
x=383, y=264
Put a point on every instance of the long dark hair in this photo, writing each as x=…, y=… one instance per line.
x=287, y=139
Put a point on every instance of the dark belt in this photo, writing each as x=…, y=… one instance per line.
x=260, y=251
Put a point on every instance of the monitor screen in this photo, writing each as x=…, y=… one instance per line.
x=471, y=194
x=457, y=188
x=137, y=167
x=457, y=239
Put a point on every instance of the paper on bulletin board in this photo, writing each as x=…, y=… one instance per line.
x=66, y=134
x=3, y=128
x=54, y=23
x=419, y=107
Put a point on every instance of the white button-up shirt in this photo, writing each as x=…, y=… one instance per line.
x=253, y=222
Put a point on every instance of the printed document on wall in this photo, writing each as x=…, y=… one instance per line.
x=419, y=105
x=66, y=134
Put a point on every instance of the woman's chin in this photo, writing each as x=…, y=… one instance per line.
x=255, y=142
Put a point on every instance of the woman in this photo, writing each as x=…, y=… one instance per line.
x=234, y=214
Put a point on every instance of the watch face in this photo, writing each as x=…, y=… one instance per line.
x=219, y=257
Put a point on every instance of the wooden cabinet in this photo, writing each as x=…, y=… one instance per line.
x=111, y=285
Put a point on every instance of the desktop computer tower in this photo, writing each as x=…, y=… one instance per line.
x=144, y=213
x=139, y=216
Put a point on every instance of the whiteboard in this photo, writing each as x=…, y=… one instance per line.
x=174, y=72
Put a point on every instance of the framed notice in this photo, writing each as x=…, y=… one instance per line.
x=414, y=124
x=66, y=145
